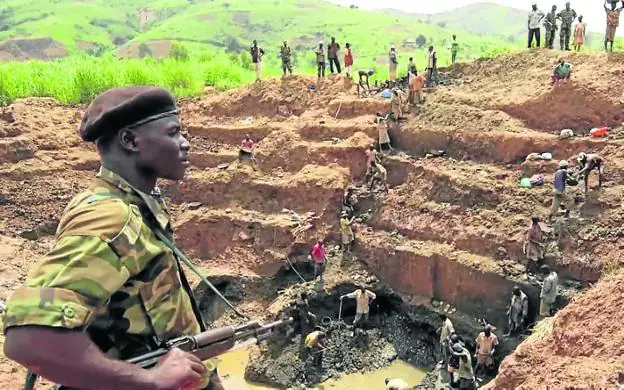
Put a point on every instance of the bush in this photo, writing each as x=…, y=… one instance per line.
x=421, y=41
x=178, y=52
x=144, y=50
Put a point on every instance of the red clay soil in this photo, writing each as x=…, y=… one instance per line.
x=585, y=349
x=460, y=220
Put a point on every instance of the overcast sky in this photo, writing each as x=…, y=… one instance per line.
x=592, y=10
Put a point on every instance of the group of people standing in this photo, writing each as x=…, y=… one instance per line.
x=567, y=16
x=331, y=54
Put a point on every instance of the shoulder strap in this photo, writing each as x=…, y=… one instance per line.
x=177, y=253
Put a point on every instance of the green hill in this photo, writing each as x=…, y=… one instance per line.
x=97, y=26
x=488, y=19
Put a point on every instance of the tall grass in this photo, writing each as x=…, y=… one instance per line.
x=80, y=79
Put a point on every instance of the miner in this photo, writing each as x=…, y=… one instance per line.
x=315, y=345
x=561, y=179
x=613, y=21
x=393, y=64
x=110, y=288
x=486, y=343
x=332, y=55
x=588, y=163
x=446, y=330
x=364, y=76
x=371, y=159
x=256, y=58
x=362, y=297
x=548, y=294
x=380, y=175
x=465, y=374
x=533, y=246
x=319, y=258
x=347, y=232
x=396, y=384
x=518, y=311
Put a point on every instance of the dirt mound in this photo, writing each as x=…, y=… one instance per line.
x=273, y=98
x=158, y=49
x=582, y=350
x=31, y=49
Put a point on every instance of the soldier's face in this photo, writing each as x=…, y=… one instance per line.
x=162, y=149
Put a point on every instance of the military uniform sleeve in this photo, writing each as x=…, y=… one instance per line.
x=91, y=259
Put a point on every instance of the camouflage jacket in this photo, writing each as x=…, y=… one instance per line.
x=550, y=22
x=285, y=53
x=108, y=274
x=567, y=17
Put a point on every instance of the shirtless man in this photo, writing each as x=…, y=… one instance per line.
x=364, y=76
x=587, y=163
x=380, y=174
x=371, y=158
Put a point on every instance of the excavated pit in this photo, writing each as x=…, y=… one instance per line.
x=391, y=335
x=447, y=237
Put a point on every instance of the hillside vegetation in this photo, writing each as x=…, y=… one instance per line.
x=98, y=26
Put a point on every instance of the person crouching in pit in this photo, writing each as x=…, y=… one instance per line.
x=246, y=151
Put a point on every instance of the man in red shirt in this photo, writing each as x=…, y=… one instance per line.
x=318, y=258
x=246, y=149
x=348, y=60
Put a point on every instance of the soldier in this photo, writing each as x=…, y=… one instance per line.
x=613, y=20
x=550, y=25
x=567, y=16
x=286, y=58
x=109, y=289
x=587, y=163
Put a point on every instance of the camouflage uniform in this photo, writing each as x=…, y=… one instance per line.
x=108, y=274
x=286, y=59
x=567, y=17
x=550, y=25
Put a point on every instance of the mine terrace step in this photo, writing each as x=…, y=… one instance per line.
x=286, y=150
x=330, y=128
x=319, y=188
x=494, y=146
x=471, y=283
x=231, y=134
x=208, y=233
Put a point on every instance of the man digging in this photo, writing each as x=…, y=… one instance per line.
x=362, y=297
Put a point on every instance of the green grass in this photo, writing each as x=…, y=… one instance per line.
x=78, y=80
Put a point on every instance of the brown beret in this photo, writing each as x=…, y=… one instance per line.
x=119, y=108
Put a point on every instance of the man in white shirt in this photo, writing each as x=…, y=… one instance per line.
x=535, y=18
x=362, y=298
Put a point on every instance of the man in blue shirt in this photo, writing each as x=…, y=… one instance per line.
x=561, y=176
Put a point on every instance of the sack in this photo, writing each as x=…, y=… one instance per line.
x=566, y=133
x=525, y=183
x=537, y=180
x=601, y=132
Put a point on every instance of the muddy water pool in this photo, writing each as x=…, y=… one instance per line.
x=232, y=370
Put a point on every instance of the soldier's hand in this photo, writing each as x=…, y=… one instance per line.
x=178, y=370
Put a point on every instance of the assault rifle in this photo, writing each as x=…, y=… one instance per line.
x=214, y=342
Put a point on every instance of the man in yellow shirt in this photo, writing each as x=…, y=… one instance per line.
x=362, y=298
x=486, y=344
x=347, y=233
x=315, y=344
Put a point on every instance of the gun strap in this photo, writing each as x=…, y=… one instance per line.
x=177, y=253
